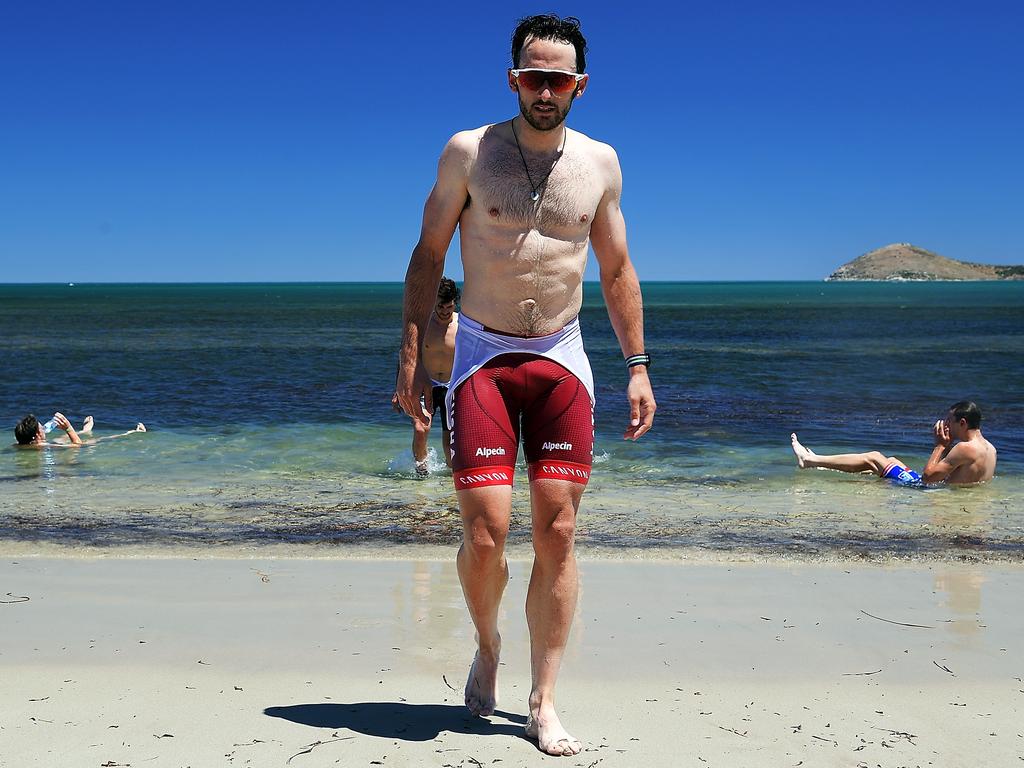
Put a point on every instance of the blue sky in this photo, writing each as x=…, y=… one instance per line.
x=235, y=141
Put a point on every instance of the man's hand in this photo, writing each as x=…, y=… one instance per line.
x=63, y=423
x=394, y=404
x=413, y=385
x=941, y=433
x=641, y=405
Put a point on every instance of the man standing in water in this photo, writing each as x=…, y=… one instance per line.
x=437, y=356
x=528, y=195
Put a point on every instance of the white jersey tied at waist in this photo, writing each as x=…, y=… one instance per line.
x=475, y=346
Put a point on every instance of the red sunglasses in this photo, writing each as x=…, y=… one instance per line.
x=558, y=81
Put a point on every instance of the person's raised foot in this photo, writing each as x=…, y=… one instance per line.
x=140, y=427
x=803, y=455
x=87, y=425
x=551, y=737
x=482, y=684
x=422, y=469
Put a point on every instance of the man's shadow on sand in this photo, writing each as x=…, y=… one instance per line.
x=398, y=720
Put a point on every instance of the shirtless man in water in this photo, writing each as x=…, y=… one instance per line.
x=29, y=432
x=961, y=454
x=437, y=356
x=528, y=196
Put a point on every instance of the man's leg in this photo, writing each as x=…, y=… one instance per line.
x=446, y=441
x=485, y=436
x=872, y=461
x=420, y=433
x=550, y=605
x=483, y=572
x=440, y=393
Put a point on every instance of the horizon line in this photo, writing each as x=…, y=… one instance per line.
x=127, y=283
x=74, y=283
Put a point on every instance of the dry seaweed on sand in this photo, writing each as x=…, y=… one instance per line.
x=733, y=730
x=898, y=623
x=310, y=747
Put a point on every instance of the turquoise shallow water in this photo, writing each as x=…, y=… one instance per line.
x=270, y=423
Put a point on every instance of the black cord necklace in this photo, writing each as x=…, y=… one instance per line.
x=535, y=195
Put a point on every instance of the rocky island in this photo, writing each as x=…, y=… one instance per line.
x=903, y=261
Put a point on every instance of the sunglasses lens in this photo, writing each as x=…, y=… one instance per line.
x=558, y=82
x=561, y=82
x=532, y=81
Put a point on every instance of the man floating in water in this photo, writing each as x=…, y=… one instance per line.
x=961, y=455
x=31, y=434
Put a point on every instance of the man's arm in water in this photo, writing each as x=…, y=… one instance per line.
x=944, y=460
x=440, y=217
x=621, y=289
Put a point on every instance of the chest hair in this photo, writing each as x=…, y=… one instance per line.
x=504, y=189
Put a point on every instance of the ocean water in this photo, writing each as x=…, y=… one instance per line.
x=270, y=422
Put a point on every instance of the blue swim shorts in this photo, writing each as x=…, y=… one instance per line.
x=900, y=474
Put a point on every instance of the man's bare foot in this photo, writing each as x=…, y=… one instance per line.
x=140, y=427
x=87, y=425
x=552, y=738
x=803, y=455
x=482, y=684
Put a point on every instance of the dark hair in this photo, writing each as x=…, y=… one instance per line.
x=26, y=429
x=547, y=26
x=448, y=290
x=965, y=409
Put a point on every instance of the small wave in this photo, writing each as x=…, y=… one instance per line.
x=404, y=464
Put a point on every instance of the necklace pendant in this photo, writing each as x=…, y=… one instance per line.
x=535, y=195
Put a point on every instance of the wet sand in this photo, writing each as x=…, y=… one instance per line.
x=174, y=662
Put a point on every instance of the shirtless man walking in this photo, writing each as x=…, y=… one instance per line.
x=437, y=356
x=961, y=454
x=528, y=195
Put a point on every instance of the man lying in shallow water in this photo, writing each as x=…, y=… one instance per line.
x=30, y=433
x=961, y=454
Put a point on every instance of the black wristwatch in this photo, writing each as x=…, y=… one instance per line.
x=642, y=359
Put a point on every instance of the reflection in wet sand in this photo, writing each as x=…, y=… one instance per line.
x=962, y=588
x=963, y=585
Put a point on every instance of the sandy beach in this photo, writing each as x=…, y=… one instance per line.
x=182, y=662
